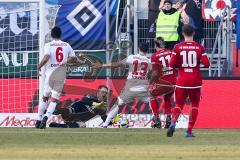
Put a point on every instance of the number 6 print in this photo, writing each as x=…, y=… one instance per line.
x=59, y=54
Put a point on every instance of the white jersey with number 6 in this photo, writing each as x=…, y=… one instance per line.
x=59, y=52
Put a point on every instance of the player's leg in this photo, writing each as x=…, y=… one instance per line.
x=68, y=124
x=55, y=81
x=62, y=111
x=194, y=95
x=57, y=87
x=113, y=112
x=154, y=92
x=51, y=108
x=157, y=89
x=154, y=107
x=152, y=101
x=43, y=104
x=58, y=125
x=168, y=109
x=41, y=110
x=125, y=97
x=180, y=96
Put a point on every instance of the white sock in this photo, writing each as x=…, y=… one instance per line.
x=164, y=116
x=41, y=109
x=110, y=115
x=51, y=109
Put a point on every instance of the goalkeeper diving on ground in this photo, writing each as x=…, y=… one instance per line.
x=75, y=115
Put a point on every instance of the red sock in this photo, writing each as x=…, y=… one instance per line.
x=154, y=106
x=192, y=118
x=176, y=112
x=168, y=107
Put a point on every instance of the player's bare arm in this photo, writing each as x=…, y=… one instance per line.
x=111, y=65
x=43, y=62
x=72, y=60
x=76, y=60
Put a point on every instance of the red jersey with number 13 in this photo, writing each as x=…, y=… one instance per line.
x=189, y=55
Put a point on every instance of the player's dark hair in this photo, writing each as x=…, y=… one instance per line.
x=56, y=32
x=143, y=47
x=159, y=42
x=168, y=1
x=102, y=86
x=188, y=30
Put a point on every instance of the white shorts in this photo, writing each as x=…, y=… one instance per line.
x=54, y=83
x=134, y=89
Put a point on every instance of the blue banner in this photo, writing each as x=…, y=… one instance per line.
x=83, y=22
x=19, y=27
x=238, y=24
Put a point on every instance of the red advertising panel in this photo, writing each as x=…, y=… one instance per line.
x=219, y=107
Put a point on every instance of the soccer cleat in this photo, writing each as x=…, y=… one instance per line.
x=188, y=134
x=104, y=126
x=156, y=123
x=171, y=130
x=43, y=123
x=37, y=124
x=168, y=122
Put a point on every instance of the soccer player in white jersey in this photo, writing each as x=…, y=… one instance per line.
x=56, y=55
x=136, y=86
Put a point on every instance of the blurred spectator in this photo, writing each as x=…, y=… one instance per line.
x=168, y=24
x=191, y=14
x=193, y=10
x=190, y=11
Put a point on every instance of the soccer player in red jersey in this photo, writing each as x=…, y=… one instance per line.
x=187, y=57
x=162, y=56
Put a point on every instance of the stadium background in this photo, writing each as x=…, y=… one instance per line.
x=219, y=106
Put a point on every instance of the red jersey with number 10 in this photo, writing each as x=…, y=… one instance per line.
x=163, y=57
x=187, y=57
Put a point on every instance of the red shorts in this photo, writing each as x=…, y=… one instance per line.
x=181, y=94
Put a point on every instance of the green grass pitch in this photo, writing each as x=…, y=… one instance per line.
x=117, y=144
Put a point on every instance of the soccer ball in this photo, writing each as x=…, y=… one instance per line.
x=124, y=123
